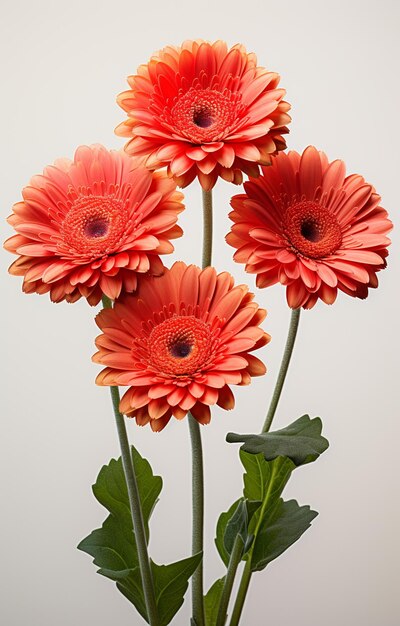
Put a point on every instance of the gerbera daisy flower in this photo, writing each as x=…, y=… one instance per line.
x=179, y=342
x=87, y=227
x=204, y=111
x=307, y=225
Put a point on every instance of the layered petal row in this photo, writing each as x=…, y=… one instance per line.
x=88, y=227
x=179, y=342
x=204, y=110
x=305, y=224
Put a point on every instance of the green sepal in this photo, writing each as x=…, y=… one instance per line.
x=301, y=441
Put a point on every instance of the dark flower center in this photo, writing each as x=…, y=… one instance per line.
x=97, y=227
x=180, y=345
x=202, y=118
x=93, y=226
x=181, y=349
x=204, y=115
x=311, y=229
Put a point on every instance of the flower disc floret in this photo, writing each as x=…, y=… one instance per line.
x=181, y=346
x=311, y=229
x=205, y=115
x=94, y=226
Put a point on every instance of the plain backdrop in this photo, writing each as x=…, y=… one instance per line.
x=63, y=63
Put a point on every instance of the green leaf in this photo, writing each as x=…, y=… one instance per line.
x=268, y=478
x=237, y=525
x=171, y=582
x=256, y=477
x=282, y=526
x=301, y=441
x=221, y=528
x=129, y=583
x=276, y=524
x=212, y=601
x=113, y=546
x=265, y=480
x=270, y=524
x=261, y=480
x=110, y=488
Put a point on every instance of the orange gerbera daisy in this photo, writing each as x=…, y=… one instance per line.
x=87, y=227
x=204, y=111
x=307, y=225
x=179, y=342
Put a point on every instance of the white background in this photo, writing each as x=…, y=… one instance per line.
x=63, y=65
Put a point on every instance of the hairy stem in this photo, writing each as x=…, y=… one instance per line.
x=247, y=573
x=287, y=354
x=233, y=564
x=197, y=452
x=207, y=227
x=198, y=518
x=135, y=505
x=241, y=595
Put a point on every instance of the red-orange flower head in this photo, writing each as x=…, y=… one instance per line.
x=307, y=225
x=88, y=227
x=178, y=343
x=204, y=111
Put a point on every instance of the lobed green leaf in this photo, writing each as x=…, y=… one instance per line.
x=282, y=526
x=301, y=441
x=266, y=524
x=221, y=528
x=113, y=546
x=264, y=480
x=171, y=582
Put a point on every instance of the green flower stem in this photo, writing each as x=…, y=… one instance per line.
x=241, y=595
x=287, y=354
x=198, y=518
x=247, y=573
x=135, y=505
x=207, y=227
x=197, y=452
x=235, y=558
